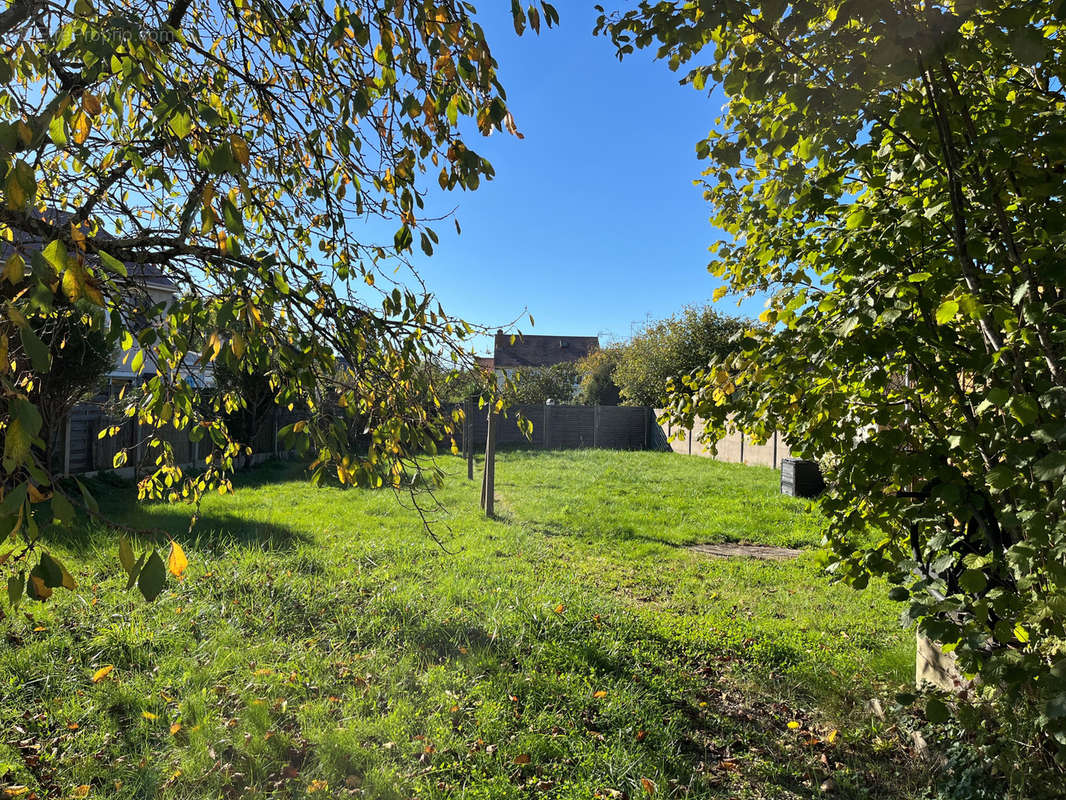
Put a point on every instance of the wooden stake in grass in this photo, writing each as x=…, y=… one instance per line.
x=468, y=438
x=488, y=484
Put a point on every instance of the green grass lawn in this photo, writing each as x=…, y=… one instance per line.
x=322, y=645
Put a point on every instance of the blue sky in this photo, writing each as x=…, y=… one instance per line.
x=592, y=222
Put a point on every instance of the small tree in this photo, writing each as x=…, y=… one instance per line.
x=556, y=383
x=596, y=372
x=81, y=352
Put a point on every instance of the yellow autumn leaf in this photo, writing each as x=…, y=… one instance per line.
x=240, y=149
x=648, y=784
x=832, y=737
x=600, y=694
x=36, y=495
x=81, y=128
x=149, y=715
x=176, y=562
x=793, y=725
x=559, y=609
x=175, y=728
x=15, y=269
x=102, y=673
x=80, y=791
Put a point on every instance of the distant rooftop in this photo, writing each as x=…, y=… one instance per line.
x=26, y=242
x=541, y=351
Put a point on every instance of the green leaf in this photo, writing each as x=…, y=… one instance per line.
x=153, y=577
x=55, y=253
x=21, y=186
x=947, y=312
x=17, y=443
x=37, y=350
x=136, y=571
x=1024, y=409
x=57, y=574
x=1028, y=45
x=87, y=498
x=858, y=218
x=62, y=510
x=181, y=124
x=57, y=130
x=936, y=711
x=125, y=555
x=403, y=239
x=111, y=263
x=16, y=585
x=232, y=217
x=973, y=581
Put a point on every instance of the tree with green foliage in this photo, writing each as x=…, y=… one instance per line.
x=892, y=173
x=665, y=350
x=596, y=372
x=238, y=148
x=556, y=383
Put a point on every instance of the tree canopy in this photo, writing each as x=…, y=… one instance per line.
x=240, y=149
x=666, y=350
x=892, y=173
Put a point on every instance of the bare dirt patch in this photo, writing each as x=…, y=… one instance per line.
x=759, y=551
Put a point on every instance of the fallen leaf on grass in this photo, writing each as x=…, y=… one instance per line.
x=832, y=737
x=523, y=758
x=600, y=694
x=175, y=728
x=102, y=673
x=648, y=784
x=793, y=725
x=559, y=609
x=149, y=715
x=81, y=791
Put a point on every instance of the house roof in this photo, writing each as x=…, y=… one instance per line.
x=26, y=242
x=541, y=351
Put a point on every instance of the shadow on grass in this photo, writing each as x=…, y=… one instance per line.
x=727, y=737
x=159, y=522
